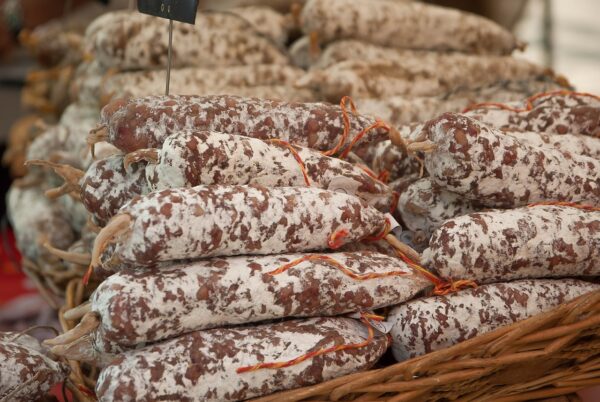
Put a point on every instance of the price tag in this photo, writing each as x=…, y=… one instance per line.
x=176, y=10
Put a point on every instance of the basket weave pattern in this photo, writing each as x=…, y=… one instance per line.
x=551, y=354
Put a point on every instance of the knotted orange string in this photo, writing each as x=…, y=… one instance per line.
x=277, y=365
x=565, y=204
x=346, y=133
x=336, y=264
x=296, y=156
x=377, y=124
x=441, y=287
x=528, y=102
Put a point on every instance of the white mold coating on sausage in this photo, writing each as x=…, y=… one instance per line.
x=406, y=25
x=206, y=221
x=188, y=159
x=145, y=122
x=528, y=242
x=201, y=366
x=485, y=165
x=144, y=306
x=434, y=323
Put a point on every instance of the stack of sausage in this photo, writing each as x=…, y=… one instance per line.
x=509, y=197
x=248, y=62
x=239, y=52
x=408, y=61
x=228, y=237
x=212, y=220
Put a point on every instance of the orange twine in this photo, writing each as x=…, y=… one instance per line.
x=277, y=365
x=336, y=264
x=377, y=124
x=340, y=144
x=296, y=156
x=372, y=174
x=528, y=102
x=442, y=287
x=85, y=390
x=565, y=204
x=367, y=170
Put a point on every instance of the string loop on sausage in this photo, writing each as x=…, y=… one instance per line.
x=441, y=287
x=295, y=155
x=359, y=136
x=336, y=264
x=346, y=133
x=336, y=240
x=365, y=317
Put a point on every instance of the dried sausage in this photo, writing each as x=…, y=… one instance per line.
x=496, y=170
x=146, y=122
x=215, y=220
x=134, y=41
x=406, y=25
x=433, y=323
x=189, y=159
x=531, y=242
x=209, y=361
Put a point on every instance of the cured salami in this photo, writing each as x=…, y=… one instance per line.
x=197, y=81
x=433, y=323
x=104, y=188
x=405, y=25
x=107, y=186
x=424, y=206
x=26, y=374
x=441, y=68
x=571, y=143
x=210, y=361
x=209, y=221
x=189, y=159
x=146, y=122
x=496, y=170
x=89, y=78
x=266, y=21
x=130, y=41
x=532, y=242
x=401, y=110
x=411, y=73
x=144, y=306
x=558, y=112
x=37, y=220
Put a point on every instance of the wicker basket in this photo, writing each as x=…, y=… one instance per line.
x=551, y=354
